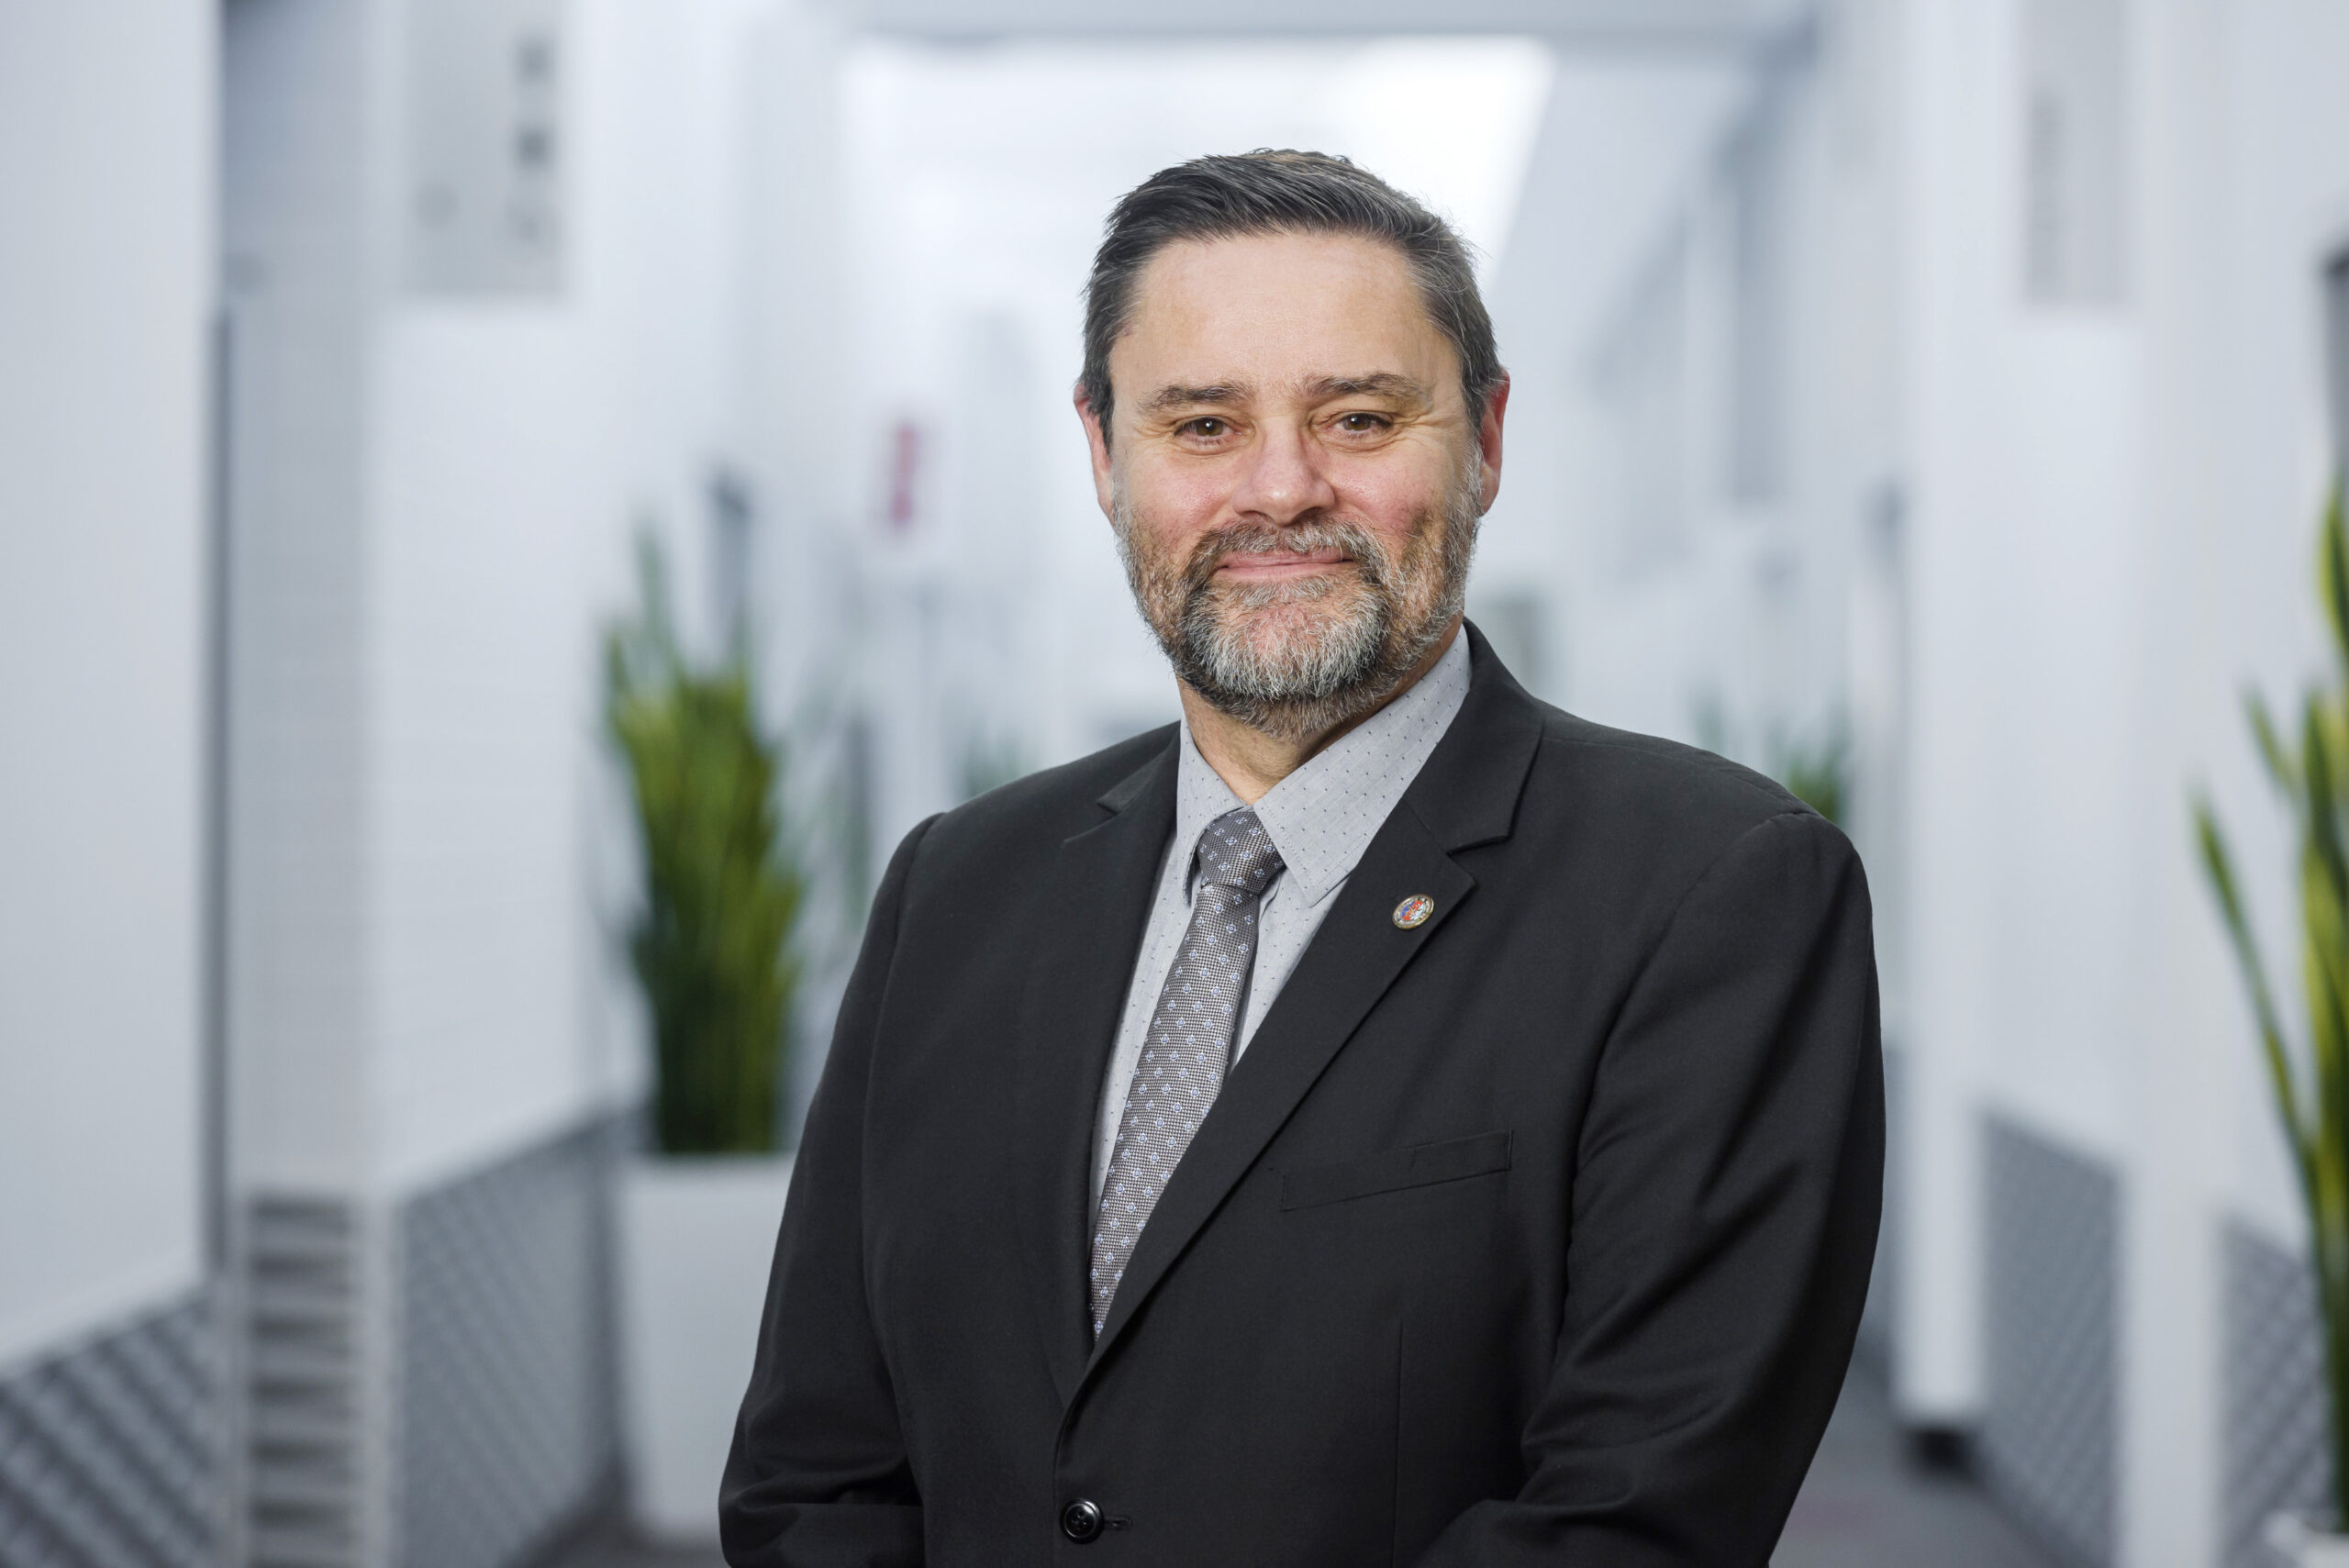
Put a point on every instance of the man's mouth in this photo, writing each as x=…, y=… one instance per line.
x=1275, y=565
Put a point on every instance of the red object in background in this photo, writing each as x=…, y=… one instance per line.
x=905, y=466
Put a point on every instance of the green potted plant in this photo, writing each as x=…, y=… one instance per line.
x=710, y=947
x=2310, y=772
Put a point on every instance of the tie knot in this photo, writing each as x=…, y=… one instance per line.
x=1236, y=852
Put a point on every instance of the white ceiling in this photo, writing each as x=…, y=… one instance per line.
x=1703, y=25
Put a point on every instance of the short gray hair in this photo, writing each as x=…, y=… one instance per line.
x=1272, y=190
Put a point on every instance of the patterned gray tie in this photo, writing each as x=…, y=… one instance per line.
x=1183, y=1057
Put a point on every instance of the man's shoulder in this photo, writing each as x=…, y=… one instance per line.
x=1033, y=813
x=1649, y=789
x=1632, y=824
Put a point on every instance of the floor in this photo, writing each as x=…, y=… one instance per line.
x=610, y=1547
x=1865, y=1505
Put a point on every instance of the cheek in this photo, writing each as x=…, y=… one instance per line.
x=1172, y=508
x=1397, y=505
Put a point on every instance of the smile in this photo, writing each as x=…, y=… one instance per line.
x=1275, y=565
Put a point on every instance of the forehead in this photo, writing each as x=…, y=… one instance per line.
x=1276, y=308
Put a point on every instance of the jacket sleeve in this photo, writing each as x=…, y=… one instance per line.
x=1726, y=1191
x=819, y=1476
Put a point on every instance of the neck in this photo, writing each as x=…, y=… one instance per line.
x=1252, y=762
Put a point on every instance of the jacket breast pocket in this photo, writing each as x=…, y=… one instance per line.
x=1391, y=1170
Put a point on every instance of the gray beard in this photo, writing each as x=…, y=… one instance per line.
x=1346, y=642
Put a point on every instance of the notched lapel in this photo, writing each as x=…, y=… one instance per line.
x=1349, y=966
x=1096, y=907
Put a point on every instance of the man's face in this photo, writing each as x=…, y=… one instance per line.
x=1294, y=472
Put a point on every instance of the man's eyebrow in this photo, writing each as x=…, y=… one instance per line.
x=1220, y=394
x=1379, y=383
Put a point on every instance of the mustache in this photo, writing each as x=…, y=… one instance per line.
x=1360, y=546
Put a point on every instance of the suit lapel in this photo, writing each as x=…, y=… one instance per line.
x=1098, y=902
x=1466, y=795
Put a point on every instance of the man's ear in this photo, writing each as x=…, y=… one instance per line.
x=1095, y=437
x=1488, y=445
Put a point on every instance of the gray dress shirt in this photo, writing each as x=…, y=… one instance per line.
x=1321, y=818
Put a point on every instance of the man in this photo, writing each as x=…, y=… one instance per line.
x=1381, y=1119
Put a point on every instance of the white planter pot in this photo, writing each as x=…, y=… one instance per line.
x=695, y=1237
x=2303, y=1546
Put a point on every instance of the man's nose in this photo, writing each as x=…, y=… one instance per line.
x=1284, y=479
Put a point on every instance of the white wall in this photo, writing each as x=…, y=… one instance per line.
x=293, y=246
x=1699, y=598
x=518, y=445
x=106, y=185
x=438, y=494
x=1619, y=143
x=2028, y=858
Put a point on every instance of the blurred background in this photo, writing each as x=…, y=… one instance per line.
x=1928, y=402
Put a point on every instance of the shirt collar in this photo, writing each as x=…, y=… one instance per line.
x=1322, y=817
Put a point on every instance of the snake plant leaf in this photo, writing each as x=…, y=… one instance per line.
x=2332, y=554
x=2278, y=762
x=2218, y=863
x=2319, y=818
x=2329, y=1028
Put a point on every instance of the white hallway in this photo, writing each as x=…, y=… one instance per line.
x=1860, y=414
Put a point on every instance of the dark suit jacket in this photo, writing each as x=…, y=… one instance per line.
x=1536, y=1234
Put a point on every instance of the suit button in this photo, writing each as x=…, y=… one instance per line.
x=1081, y=1521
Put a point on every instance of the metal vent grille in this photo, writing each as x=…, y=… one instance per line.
x=302, y=1383
x=110, y=1454
x=2049, y=1435
x=507, y=1431
x=2273, y=1453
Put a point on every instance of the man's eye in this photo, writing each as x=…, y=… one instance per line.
x=1362, y=424
x=1208, y=429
